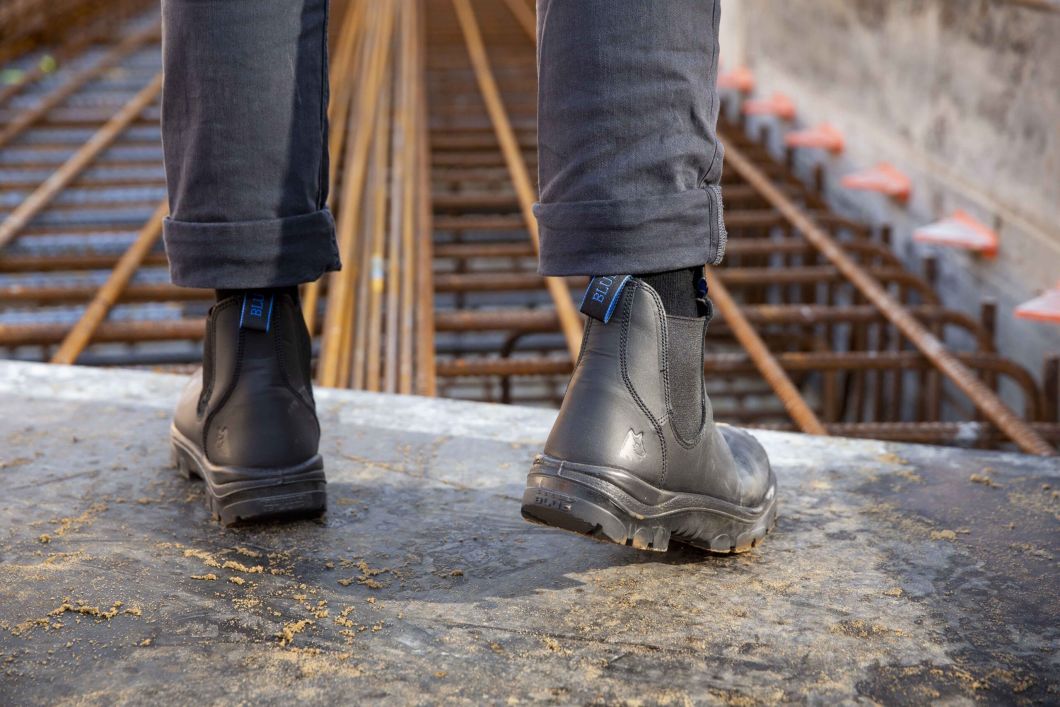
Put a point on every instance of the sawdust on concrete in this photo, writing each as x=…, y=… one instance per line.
x=292, y=629
x=52, y=620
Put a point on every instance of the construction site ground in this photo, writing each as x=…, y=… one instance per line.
x=897, y=573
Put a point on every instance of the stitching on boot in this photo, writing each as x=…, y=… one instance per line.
x=224, y=398
x=282, y=360
x=622, y=348
x=208, y=371
x=211, y=324
x=663, y=352
x=581, y=351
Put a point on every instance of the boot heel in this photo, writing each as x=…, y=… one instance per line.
x=567, y=505
x=178, y=461
x=240, y=495
x=299, y=504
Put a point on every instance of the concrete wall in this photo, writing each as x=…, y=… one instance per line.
x=962, y=95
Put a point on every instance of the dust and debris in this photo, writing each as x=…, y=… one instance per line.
x=292, y=629
x=1046, y=502
x=44, y=539
x=210, y=560
x=207, y=558
x=81, y=607
x=62, y=560
x=208, y=577
x=240, y=567
x=909, y=475
x=146, y=642
x=984, y=480
x=856, y=628
x=342, y=619
x=553, y=645
x=943, y=535
x=29, y=624
x=731, y=698
x=66, y=525
x=236, y=579
x=772, y=586
x=78, y=607
x=367, y=575
x=369, y=571
x=246, y=551
x=894, y=592
x=457, y=573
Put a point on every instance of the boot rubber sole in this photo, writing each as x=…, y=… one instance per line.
x=243, y=495
x=613, y=505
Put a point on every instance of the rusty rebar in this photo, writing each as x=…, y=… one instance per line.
x=109, y=293
x=561, y=297
x=928, y=344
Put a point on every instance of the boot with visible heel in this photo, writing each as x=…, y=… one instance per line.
x=635, y=457
x=246, y=423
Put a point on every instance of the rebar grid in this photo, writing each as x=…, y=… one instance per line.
x=821, y=327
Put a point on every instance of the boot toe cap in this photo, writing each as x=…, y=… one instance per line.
x=752, y=464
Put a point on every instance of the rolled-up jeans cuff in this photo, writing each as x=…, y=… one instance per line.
x=249, y=254
x=652, y=234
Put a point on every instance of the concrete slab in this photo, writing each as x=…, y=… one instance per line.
x=898, y=573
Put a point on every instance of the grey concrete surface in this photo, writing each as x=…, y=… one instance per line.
x=898, y=573
x=963, y=96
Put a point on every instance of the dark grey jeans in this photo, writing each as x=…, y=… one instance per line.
x=244, y=132
x=629, y=162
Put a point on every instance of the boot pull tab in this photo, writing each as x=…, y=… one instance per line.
x=601, y=296
x=257, y=310
x=703, y=303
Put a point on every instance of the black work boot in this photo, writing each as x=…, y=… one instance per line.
x=635, y=456
x=246, y=424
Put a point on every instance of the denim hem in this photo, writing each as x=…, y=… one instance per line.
x=247, y=254
x=652, y=234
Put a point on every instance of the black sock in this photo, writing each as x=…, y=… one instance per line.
x=677, y=288
x=292, y=291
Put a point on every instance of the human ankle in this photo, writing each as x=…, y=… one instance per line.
x=678, y=290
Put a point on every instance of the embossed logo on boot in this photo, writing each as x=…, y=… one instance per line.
x=633, y=448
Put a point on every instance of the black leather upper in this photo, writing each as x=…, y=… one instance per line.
x=252, y=403
x=618, y=411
